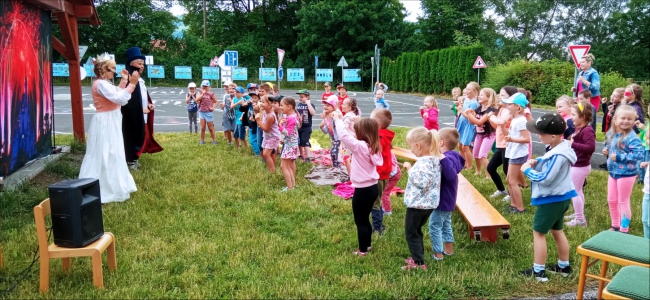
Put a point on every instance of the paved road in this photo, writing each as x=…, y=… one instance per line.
x=171, y=115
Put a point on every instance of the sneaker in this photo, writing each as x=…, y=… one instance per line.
x=132, y=166
x=514, y=210
x=603, y=166
x=413, y=265
x=499, y=193
x=539, y=276
x=214, y=142
x=570, y=217
x=202, y=143
x=285, y=189
x=506, y=198
x=557, y=270
x=359, y=253
x=388, y=213
x=576, y=222
x=437, y=258
x=409, y=260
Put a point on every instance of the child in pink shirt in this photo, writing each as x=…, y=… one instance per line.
x=429, y=113
x=366, y=152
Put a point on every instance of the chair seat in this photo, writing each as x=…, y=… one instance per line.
x=97, y=246
x=621, y=245
x=631, y=282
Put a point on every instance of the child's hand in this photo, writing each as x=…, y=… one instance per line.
x=421, y=107
x=337, y=115
x=425, y=115
x=507, y=139
x=612, y=157
x=322, y=115
x=357, y=118
x=525, y=167
x=145, y=110
x=639, y=125
x=603, y=100
x=470, y=111
x=490, y=114
x=605, y=151
x=282, y=121
x=644, y=164
x=532, y=162
x=407, y=165
x=221, y=105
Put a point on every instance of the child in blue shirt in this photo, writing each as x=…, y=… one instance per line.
x=240, y=129
x=380, y=102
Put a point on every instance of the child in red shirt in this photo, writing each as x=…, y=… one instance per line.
x=384, y=118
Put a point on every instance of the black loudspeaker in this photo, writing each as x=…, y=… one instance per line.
x=76, y=212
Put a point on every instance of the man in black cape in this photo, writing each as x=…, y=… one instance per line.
x=138, y=138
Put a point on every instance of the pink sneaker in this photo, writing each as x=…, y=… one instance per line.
x=413, y=265
x=576, y=222
x=359, y=253
x=409, y=260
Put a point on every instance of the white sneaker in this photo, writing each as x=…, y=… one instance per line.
x=506, y=198
x=498, y=193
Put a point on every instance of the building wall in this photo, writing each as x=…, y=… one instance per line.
x=26, y=105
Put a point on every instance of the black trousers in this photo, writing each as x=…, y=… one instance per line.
x=415, y=219
x=362, y=201
x=498, y=159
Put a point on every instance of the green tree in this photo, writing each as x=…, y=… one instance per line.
x=441, y=18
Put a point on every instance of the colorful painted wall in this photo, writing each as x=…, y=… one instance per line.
x=26, y=105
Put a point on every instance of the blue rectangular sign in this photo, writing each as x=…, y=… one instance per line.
x=268, y=74
x=240, y=73
x=295, y=74
x=182, y=72
x=90, y=70
x=210, y=73
x=60, y=70
x=351, y=75
x=155, y=71
x=324, y=75
x=231, y=58
x=118, y=69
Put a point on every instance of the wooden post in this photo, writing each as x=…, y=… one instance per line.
x=68, y=25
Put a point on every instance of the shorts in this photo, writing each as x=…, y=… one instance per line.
x=206, y=115
x=228, y=125
x=270, y=142
x=240, y=132
x=550, y=216
x=518, y=160
x=303, y=137
x=482, y=145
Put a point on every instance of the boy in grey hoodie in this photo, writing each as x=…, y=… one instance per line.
x=552, y=191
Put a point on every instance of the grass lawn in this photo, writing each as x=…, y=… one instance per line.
x=210, y=222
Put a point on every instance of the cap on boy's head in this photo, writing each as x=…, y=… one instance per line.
x=191, y=85
x=277, y=98
x=547, y=124
x=326, y=84
x=341, y=86
x=518, y=98
x=303, y=92
x=227, y=83
x=205, y=83
x=253, y=94
x=332, y=100
x=240, y=89
x=252, y=86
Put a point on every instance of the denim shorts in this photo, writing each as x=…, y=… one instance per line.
x=303, y=137
x=206, y=115
x=518, y=160
x=240, y=132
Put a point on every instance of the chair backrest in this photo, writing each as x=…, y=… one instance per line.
x=40, y=212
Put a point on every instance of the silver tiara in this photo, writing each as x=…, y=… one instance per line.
x=103, y=57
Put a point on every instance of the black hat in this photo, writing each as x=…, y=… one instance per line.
x=132, y=54
x=303, y=92
x=547, y=124
x=277, y=98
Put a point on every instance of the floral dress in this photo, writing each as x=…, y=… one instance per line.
x=289, y=131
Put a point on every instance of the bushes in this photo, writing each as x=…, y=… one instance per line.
x=436, y=71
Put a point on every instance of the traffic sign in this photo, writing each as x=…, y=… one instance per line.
x=280, y=57
x=231, y=58
x=342, y=62
x=280, y=72
x=316, y=61
x=479, y=63
x=577, y=52
x=148, y=60
x=82, y=51
x=261, y=59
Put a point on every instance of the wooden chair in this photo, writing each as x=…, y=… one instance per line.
x=483, y=220
x=630, y=282
x=611, y=247
x=47, y=252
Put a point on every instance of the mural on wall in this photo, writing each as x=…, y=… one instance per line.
x=26, y=105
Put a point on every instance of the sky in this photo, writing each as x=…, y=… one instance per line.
x=412, y=8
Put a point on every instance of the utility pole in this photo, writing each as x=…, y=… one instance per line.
x=205, y=29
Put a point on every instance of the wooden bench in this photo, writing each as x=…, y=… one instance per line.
x=482, y=218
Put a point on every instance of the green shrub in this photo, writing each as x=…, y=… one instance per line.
x=610, y=81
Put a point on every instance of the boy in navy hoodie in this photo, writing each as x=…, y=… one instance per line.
x=551, y=191
x=440, y=220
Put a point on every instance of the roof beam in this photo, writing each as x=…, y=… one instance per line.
x=59, y=47
x=54, y=5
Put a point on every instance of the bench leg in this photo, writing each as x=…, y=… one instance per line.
x=603, y=274
x=471, y=231
x=489, y=235
x=584, y=265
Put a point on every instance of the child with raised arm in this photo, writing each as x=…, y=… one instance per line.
x=380, y=102
x=488, y=106
x=240, y=129
x=422, y=194
x=192, y=106
x=367, y=155
x=306, y=110
x=268, y=122
x=429, y=113
x=351, y=111
x=551, y=192
x=228, y=121
x=517, y=150
x=328, y=126
x=290, y=151
x=207, y=103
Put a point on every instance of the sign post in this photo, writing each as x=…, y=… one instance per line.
x=148, y=60
x=315, y=72
x=479, y=64
x=342, y=63
x=577, y=52
x=261, y=62
x=280, y=58
x=372, y=74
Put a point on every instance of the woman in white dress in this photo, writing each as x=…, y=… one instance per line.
x=104, y=158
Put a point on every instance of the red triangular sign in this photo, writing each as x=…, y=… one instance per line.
x=577, y=52
x=479, y=63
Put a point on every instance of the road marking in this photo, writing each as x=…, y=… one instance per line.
x=163, y=92
x=165, y=102
x=180, y=92
x=93, y=106
x=152, y=93
x=154, y=101
x=393, y=101
x=177, y=103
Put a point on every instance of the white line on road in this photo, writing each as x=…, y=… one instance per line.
x=393, y=101
x=177, y=103
x=165, y=102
